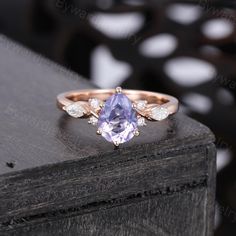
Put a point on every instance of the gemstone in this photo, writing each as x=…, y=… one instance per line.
x=95, y=103
x=93, y=120
x=75, y=110
x=159, y=113
x=141, y=105
x=117, y=121
x=141, y=121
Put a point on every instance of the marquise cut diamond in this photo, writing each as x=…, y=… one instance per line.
x=159, y=113
x=75, y=110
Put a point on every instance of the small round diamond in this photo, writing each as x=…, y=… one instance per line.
x=75, y=110
x=141, y=105
x=93, y=120
x=141, y=121
x=95, y=103
x=159, y=113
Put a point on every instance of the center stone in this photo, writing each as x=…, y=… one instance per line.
x=117, y=120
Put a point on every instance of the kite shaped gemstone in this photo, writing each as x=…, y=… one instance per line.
x=117, y=121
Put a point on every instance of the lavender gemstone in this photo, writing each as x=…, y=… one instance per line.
x=117, y=120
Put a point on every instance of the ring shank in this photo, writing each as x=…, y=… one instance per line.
x=67, y=98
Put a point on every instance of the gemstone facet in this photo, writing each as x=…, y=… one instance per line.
x=75, y=110
x=117, y=121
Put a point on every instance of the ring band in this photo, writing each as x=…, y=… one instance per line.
x=117, y=112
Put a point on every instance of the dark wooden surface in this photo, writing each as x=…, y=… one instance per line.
x=57, y=177
x=62, y=30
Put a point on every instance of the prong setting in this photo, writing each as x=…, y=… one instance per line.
x=116, y=144
x=134, y=105
x=99, y=132
x=136, y=132
x=102, y=105
x=118, y=90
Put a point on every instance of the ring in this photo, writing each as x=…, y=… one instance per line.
x=117, y=113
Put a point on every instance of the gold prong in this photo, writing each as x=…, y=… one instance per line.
x=118, y=89
x=136, y=133
x=134, y=105
x=116, y=144
x=99, y=132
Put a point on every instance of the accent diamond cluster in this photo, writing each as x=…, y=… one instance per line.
x=118, y=118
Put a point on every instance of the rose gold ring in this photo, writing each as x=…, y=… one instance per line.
x=117, y=113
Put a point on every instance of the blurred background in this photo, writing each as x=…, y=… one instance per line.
x=184, y=48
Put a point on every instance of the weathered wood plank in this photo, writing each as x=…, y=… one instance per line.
x=162, y=215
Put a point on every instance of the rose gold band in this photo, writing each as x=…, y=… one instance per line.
x=153, y=98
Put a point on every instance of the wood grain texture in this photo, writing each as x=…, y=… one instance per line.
x=57, y=177
x=162, y=215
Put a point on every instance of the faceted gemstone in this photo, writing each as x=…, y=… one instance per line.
x=75, y=110
x=159, y=113
x=93, y=120
x=141, y=104
x=95, y=103
x=117, y=121
x=141, y=121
